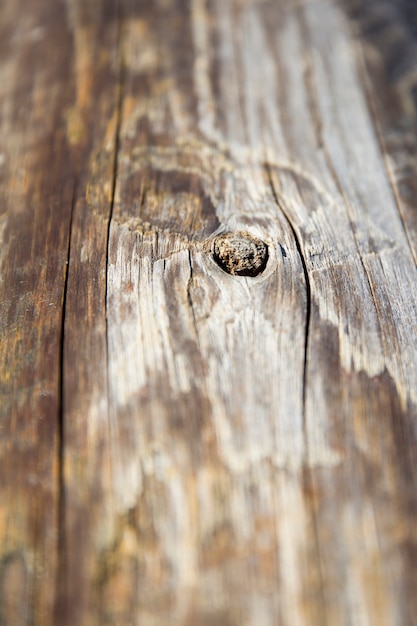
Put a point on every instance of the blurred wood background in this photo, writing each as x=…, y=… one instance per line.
x=180, y=445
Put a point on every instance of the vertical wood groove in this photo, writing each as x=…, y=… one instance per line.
x=119, y=113
x=307, y=284
x=307, y=478
x=61, y=529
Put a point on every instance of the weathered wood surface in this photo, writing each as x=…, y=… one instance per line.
x=179, y=445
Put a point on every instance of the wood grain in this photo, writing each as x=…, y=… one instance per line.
x=180, y=444
x=36, y=197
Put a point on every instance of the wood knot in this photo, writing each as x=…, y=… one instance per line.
x=240, y=254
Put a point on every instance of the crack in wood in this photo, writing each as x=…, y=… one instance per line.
x=61, y=509
x=307, y=282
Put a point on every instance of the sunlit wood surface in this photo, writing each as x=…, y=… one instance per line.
x=208, y=322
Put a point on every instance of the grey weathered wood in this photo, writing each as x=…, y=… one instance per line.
x=218, y=449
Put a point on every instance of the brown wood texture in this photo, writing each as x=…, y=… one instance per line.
x=179, y=444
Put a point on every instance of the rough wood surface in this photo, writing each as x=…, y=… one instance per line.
x=208, y=346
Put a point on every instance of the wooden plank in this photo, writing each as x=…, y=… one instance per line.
x=362, y=400
x=85, y=466
x=54, y=67
x=217, y=448
x=37, y=186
